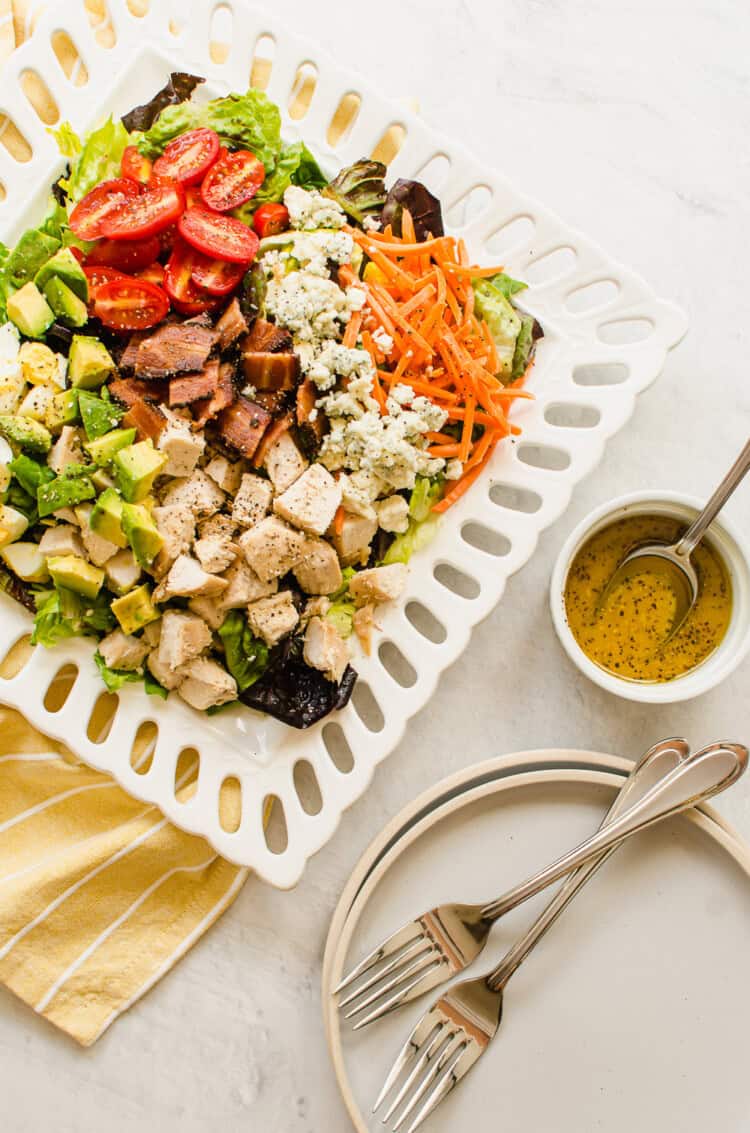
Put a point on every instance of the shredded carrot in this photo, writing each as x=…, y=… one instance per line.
x=352, y=329
x=338, y=520
x=445, y=451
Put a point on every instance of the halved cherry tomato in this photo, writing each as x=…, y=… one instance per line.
x=128, y=255
x=168, y=237
x=146, y=215
x=79, y=253
x=96, y=277
x=232, y=181
x=185, y=294
x=135, y=165
x=188, y=157
x=216, y=276
x=154, y=273
x=193, y=198
x=88, y=217
x=130, y=304
x=271, y=219
x=218, y=236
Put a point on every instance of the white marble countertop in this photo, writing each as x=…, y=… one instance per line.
x=630, y=120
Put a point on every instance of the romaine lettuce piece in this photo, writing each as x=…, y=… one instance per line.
x=248, y=121
x=295, y=166
x=114, y=679
x=423, y=524
x=492, y=305
x=246, y=656
x=97, y=159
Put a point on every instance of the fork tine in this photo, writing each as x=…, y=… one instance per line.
x=418, y=965
x=455, y=1046
x=399, y=997
x=404, y=936
x=421, y=1057
x=424, y=1029
x=441, y=1088
x=406, y=954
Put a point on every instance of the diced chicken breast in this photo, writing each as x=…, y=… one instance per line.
x=284, y=463
x=196, y=493
x=252, y=501
x=167, y=677
x=215, y=553
x=363, y=623
x=393, y=514
x=311, y=502
x=217, y=525
x=379, y=584
x=352, y=542
x=273, y=618
x=66, y=450
x=181, y=446
x=210, y=610
x=314, y=608
x=122, y=572
x=244, y=587
x=176, y=526
x=226, y=473
x=66, y=515
x=319, y=569
x=152, y=633
x=98, y=549
x=272, y=548
x=188, y=579
x=64, y=539
x=206, y=684
x=183, y=637
x=123, y=651
x=325, y=649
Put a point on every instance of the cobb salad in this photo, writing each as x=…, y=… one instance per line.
x=235, y=398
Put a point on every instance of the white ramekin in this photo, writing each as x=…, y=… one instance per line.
x=736, y=554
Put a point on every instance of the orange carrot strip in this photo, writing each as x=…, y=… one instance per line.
x=445, y=451
x=407, y=227
x=461, y=486
x=419, y=300
x=352, y=329
x=338, y=519
x=470, y=271
x=468, y=425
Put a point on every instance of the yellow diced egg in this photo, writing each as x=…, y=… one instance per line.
x=38, y=363
x=12, y=387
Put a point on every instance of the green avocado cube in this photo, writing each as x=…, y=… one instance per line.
x=135, y=609
x=62, y=410
x=101, y=480
x=30, y=253
x=142, y=533
x=89, y=362
x=75, y=574
x=64, y=492
x=98, y=416
x=30, y=311
x=106, y=518
x=26, y=433
x=66, y=267
x=103, y=449
x=135, y=469
x=65, y=303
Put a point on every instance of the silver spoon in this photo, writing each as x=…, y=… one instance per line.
x=678, y=554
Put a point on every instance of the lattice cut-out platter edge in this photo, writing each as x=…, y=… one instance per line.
x=606, y=339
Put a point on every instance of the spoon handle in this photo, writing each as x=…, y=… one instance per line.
x=697, y=528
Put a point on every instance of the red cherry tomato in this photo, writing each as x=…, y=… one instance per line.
x=168, y=237
x=96, y=276
x=185, y=294
x=154, y=273
x=218, y=236
x=271, y=219
x=79, y=253
x=233, y=180
x=216, y=276
x=88, y=217
x=188, y=157
x=135, y=166
x=193, y=198
x=128, y=255
x=130, y=304
x=146, y=215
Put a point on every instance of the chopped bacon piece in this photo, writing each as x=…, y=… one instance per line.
x=270, y=371
x=231, y=325
x=265, y=338
x=242, y=426
x=195, y=387
x=204, y=411
x=280, y=426
x=175, y=348
x=129, y=356
x=147, y=420
x=129, y=390
x=274, y=400
x=311, y=421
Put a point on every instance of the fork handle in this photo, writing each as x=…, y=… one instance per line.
x=696, y=779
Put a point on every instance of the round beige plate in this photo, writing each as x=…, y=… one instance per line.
x=632, y=1013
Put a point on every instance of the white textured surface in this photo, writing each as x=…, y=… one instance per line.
x=630, y=121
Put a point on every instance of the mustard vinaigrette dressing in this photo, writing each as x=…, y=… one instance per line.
x=629, y=635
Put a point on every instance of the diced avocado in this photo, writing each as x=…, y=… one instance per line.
x=98, y=415
x=32, y=250
x=66, y=267
x=142, y=533
x=62, y=410
x=75, y=574
x=89, y=362
x=30, y=474
x=64, y=492
x=30, y=311
x=26, y=433
x=65, y=303
x=135, y=469
x=135, y=609
x=102, y=480
x=12, y=525
x=103, y=449
x=106, y=518
x=26, y=560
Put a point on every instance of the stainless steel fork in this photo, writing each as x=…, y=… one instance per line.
x=455, y=1032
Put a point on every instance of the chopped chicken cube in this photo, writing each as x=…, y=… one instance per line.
x=273, y=618
x=99, y=549
x=166, y=677
x=66, y=515
x=176, y=526
x=252, y=501
x=62, y=540
x=217, y=525
x=284, y=462
x=123, y=651
x=393, y=514
x=311, y=502
x=226, y=473
x=197, y=493
x=244, y=586
x=379, y=584
x=210, y=609
x=363, y=623
x=216, y=552
x=272, y=547
x=183, y=637
x=122, y=572
x=188, y=579
x=319, y=569
x=151, y=633
x=352, y=542
x=181, y=446
x=314, y=608
x=325, y=649
x=206, y=684
x=66, y=450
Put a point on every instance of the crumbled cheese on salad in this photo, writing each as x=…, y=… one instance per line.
x=309, y=209
x=371, y=224
x=383, y=340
